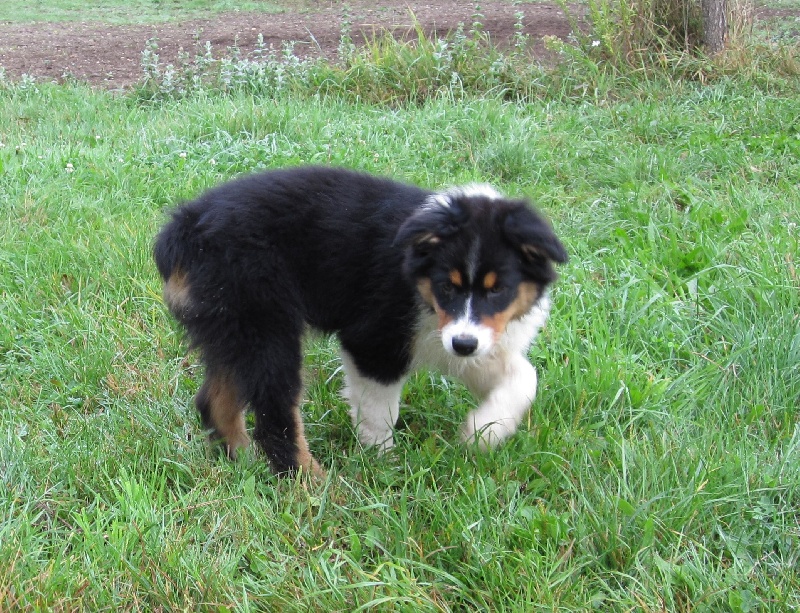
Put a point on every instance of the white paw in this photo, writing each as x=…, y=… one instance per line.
x=486, y=431
x=374, y=406
x=504, y=406
x=373, y=436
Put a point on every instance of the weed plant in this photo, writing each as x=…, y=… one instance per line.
x=659, y=468
x=465, y=63
x=386, y=69
x=630, y=31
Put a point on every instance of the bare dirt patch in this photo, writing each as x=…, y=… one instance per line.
x=109, y=56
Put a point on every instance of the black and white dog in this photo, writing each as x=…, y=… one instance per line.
x=453, y=280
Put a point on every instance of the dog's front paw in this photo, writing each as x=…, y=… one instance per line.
x=375, y=436
x=486, y=429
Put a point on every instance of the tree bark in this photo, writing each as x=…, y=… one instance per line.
x=715, y=25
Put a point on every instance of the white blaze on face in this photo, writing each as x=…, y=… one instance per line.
x=466, y=338
x=473, y=190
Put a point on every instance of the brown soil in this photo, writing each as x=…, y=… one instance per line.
x=109, y=56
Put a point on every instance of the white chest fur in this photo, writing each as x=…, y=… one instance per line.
x=503, y=380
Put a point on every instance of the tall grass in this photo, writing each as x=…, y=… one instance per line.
x=386, y=69
x=668, y=36
x=129, y=11
x=465, y=63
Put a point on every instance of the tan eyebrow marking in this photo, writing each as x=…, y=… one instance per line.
x=490, y=280
x=455, y=278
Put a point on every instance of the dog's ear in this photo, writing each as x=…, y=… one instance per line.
x=431, y=224
x=532, y=235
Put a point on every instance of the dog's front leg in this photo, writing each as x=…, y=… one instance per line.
x=508, y=391
x=374, y=406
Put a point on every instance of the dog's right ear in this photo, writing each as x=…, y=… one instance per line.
x=434, y=222
x=533, y=236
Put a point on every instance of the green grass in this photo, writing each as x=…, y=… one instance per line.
x=152, y=11
x=128, y=12
x=659, y=468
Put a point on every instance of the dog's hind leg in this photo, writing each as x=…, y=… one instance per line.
x=268, y=377
x=222, y=411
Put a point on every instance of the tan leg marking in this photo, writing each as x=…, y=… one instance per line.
x=227, y=413
x=304, y=457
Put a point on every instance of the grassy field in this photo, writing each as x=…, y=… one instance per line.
x=150, y=11
x=659, y=469
x=130, y=12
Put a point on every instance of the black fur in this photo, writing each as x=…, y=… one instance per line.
x=257, y=259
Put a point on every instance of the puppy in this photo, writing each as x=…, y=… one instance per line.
x=454, y=280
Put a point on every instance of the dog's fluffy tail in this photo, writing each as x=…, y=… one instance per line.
x=173, y=245
x=174, y=252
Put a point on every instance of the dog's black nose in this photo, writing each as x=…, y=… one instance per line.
x=465, y=345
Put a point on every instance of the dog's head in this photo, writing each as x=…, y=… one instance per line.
x=479, y=260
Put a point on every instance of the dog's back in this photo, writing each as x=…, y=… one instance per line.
x=316, y=238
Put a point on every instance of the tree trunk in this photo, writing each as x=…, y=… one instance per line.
x=715, y=25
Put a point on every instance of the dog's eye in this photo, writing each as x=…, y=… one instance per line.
x=496, y=290
x=447, y=288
